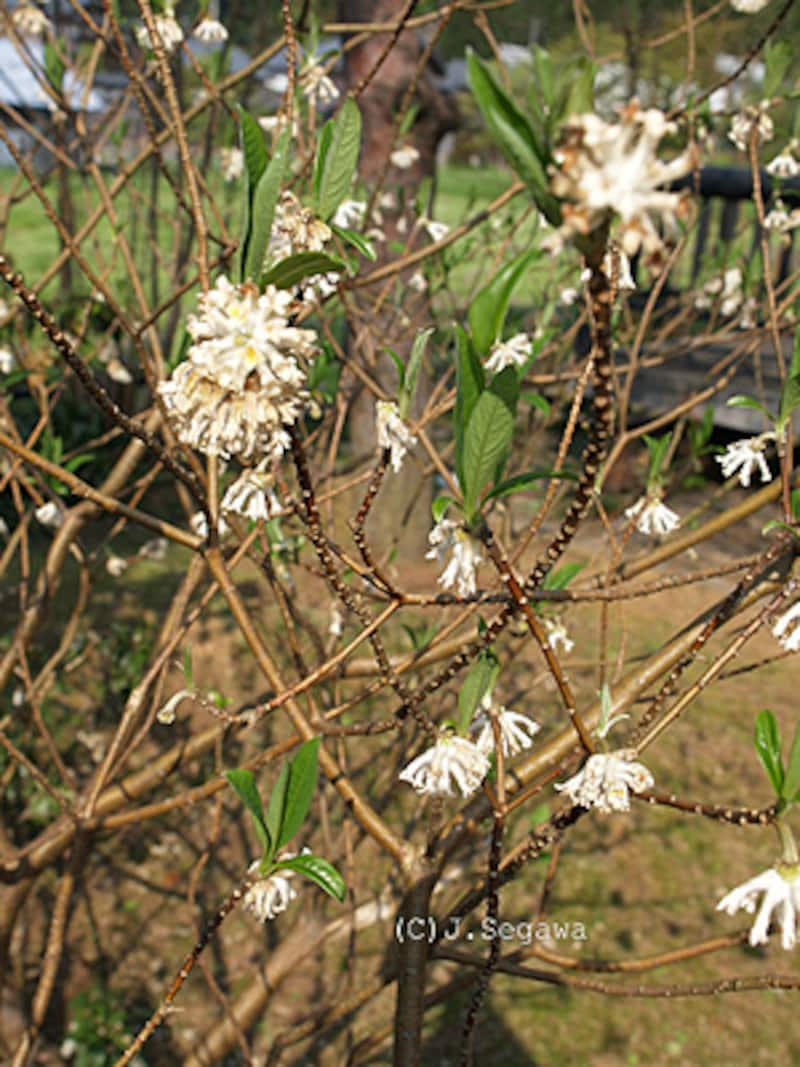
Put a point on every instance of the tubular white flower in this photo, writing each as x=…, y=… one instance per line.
x=617, y=268
x=516, y=731
x=199, y=525
x=743, y=123
x=116, y=566
x=7, y=360
x=451, y=759
x=295, y=229
x=393, y=432
x=251, y=496
x=232, y=162
x=749, y=7
x=31, y=21
x=210, y=31
x=49, y=515
x=168, y=30
x=350, y=214
x=787, y=628
x=605, y=782
x=510, y=353
x=781, y=888
x=652, y=515
x=317, y=87
x=435, y=230
x=604, y=169
x=268, y=897
x=744, y=455
x=448, y=537
x=404, y=157
x=241, y=385
x=557, y=635
x=784, y=165
x=781, y=219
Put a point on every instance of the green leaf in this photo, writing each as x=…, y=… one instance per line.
x=262, y=210
x=778, y=57
x=244, y=785
x=341, y=159
x=580, y=96
x=479, y=681
x=357, y=240
x=561, y=578
x=790, y=398
x=319, y=871
x=323, y=148
x=54, y=67
x=440, y=506
x=488, y=310
x=469, y=386
x=522, y=481
x=300, y=790
x=400, y=367
x=742, y=401
x=254, y=148
x=791, y=782
x=488, y=435
x=409, y=383
x=276, y=807
x=294, y=269
x=658, y=448
x=188, y=675
x=536, y=400
x=514, y=135
x=768, y=747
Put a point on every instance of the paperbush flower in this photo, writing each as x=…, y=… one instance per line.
x=268, y=897
x=167, y=28
x=251, y=496
x=393, y=432
x=743, y=123
x=516, y=731
x=606, y=781
x=7, y=360
x=49, y=515
x=781, y=888
x=210, y=31
x=787, y=628
x=350, y=214
x=652, y=515
x=315, y=83
x=232, y=160
x=557, y=635
x=781, y=219
x=31, y=21
x=452, y=759
x=295, y=229
x=510, y=353
x=465, y=555
x=749, y=7
x=743, y=456
x=607, y=169
x=404, y=157
x=784, y=165
x=241, y=385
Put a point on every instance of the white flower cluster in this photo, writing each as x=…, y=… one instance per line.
x=754, y=117
x=393, y=432
x=510, y=353
x=780, y=218
x=652, y=515
x=317, y=87
x=743, y=456
x=448, y=537
x=241, y=385
x=268, y=897
x=787, y=628
x=31, y=21
x=784, y=165
x=781, y=888
x=295, y=229
x=451, y=759
x=606, y=781
x=210, y=31
x=167, y=28
x=251, y=496
x=605, y=169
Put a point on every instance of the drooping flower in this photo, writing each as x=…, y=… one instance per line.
x=617, y=268
x=349, y=215
x=743, y=456
x=511, y=353
x=49, y=515
x=404, y=157
x=199, y=525
x=604, y=169
x=754, y=116
x=780, y=218
x=606, y=781
x=652, y=515
x=784, y=165
x=557, y=635
x=435, y=230
x=317, y=87
x=269, y=896
x=7, y=360
x=787, y=628
x=252, y=496
x=749, y=7
x=241, y=385
x=393, y=432
x=781, y=888
x=448, y=537
x=232, y=161
x=451, y=759
x=167, y=28
x=31, y=21
x=116, y=566
x=516, y=731
x=210, y=31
